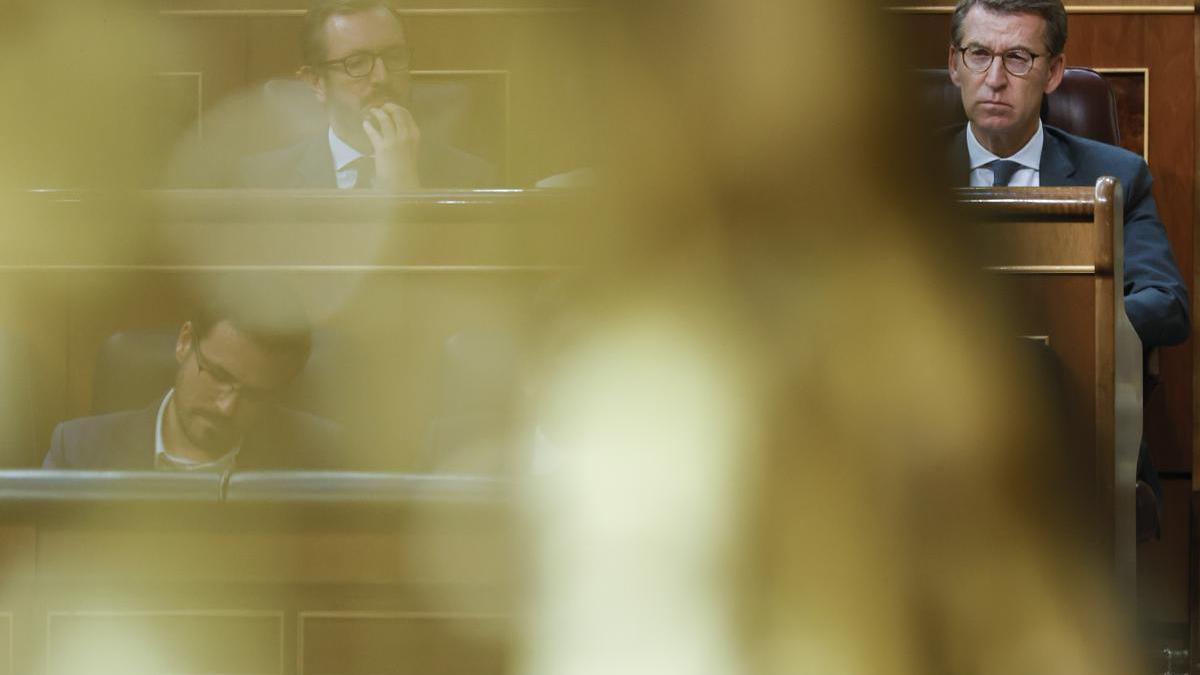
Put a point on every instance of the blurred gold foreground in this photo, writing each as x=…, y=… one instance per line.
x=792, y=436
x=784, y=429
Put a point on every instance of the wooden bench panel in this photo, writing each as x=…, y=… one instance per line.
x=1059, y=252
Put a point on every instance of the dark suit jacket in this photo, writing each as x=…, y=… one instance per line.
x=309, y=164
x=1156, y=298
x=283, y=439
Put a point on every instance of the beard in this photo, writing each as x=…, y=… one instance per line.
x=213, y=433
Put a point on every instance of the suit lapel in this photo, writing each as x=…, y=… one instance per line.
x=316, y=165
x=134, y=440
x=957, y=161
x=1057, y=167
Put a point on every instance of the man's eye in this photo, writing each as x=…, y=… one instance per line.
x=358, y=61
x=979, y=53
x=1018, y=57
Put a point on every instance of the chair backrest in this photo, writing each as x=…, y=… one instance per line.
x=132, y=368
x=1083, y=104
x=1058, y=251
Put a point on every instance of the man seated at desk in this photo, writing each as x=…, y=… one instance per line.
x=235, y=357
x=1005, y=56
x=356, y=60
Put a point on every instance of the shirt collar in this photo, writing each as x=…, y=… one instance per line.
x=343, y=152
x=1029, y=156
x=165, y=460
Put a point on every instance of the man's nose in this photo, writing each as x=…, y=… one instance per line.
x=996, y=76
x=227, y=402
x=379, y=73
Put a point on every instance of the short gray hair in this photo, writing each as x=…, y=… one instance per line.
x=1051, y=10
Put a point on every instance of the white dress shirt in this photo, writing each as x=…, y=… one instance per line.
x=1029, y=157
x=343, y=155
x=165, y=460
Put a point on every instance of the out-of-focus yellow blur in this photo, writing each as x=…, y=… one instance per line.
x=793, y=436
x=772, y=426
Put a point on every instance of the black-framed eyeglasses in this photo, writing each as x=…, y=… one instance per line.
x=225, y=383
x=1017, y=62
x=362, y=64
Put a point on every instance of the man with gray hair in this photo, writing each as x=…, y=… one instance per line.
x=1005, y=56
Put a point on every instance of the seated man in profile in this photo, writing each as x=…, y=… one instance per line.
x=235, y=357
x=1005, y=56
x=356, y=60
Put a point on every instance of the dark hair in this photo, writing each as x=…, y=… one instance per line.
x=312, y=38
x=262, y=308
x=1050, y=10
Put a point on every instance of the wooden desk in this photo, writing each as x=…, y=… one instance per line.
x=1060, y=251
x=111, y=572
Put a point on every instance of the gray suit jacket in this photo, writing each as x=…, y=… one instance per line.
x=1156, y=298
x=309, y=164
x=283, y=439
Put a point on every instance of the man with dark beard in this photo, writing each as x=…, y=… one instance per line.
x=243, y=345
x=356, y=59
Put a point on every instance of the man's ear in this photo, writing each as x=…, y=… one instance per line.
x=1057, y=65
x=952, y=66
x=313, y=80
x=183, y=342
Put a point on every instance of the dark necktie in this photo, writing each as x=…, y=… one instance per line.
x=366, y=172
x=1003, y=170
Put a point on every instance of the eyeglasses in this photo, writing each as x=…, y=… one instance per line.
x=361, y=64
x=1017, y=62
x=225, y=383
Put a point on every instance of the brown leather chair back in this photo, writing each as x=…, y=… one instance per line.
x=1082, y=105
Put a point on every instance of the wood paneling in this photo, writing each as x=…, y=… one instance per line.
x=7, y=648
x=223, y=588
x=1163, y=564
x=34, y=315
x=457, y=7
x=361, y=643
x=1090, y=7
x=165, y=641
x=1130, y=89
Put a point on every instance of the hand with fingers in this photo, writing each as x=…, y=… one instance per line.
x=396, y=140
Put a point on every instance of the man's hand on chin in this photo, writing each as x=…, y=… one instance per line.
x=396, y=140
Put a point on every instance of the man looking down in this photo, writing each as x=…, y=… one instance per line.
x=235, y=357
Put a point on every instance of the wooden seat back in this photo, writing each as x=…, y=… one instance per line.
x=1059, y=250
